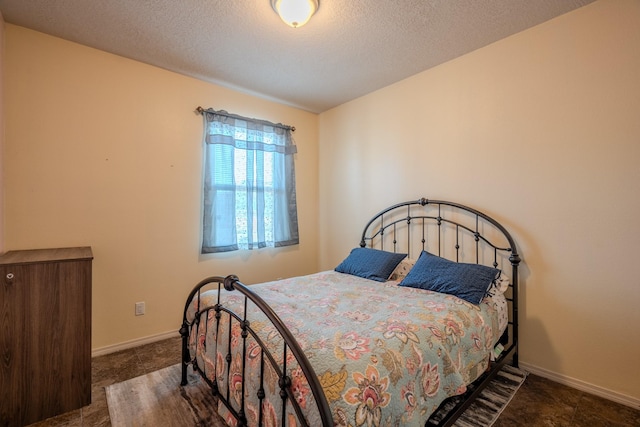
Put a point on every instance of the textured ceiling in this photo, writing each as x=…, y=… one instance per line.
x=348, y=49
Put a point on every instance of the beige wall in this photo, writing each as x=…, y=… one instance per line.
x=542, y=131
x=105, y=151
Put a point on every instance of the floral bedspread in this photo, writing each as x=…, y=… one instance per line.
x=385, y=355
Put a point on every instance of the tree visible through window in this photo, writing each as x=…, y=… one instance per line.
x=249, y=184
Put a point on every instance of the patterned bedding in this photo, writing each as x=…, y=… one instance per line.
x=384, y=354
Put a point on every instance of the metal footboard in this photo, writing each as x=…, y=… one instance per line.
x=291, y=346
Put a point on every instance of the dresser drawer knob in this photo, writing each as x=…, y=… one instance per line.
x=9, y=278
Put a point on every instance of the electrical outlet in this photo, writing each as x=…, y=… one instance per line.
x=139, y=308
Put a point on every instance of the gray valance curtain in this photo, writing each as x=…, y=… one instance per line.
x=249, y=184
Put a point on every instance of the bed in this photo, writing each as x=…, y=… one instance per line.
x=422, y=313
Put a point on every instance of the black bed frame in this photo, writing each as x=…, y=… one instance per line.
x=447, y=229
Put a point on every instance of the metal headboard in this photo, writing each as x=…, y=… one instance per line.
x=452, y=231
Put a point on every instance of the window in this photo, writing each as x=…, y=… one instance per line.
x=249, y=184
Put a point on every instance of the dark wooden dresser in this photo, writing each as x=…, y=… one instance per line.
x=45, y=333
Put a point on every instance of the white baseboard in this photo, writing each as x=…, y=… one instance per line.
x=133, y=343
x=583, y=386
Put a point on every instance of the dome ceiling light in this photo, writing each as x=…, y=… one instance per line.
x=295, y=13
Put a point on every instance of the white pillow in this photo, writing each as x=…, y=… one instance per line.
x=498, y=286
x=402, y=269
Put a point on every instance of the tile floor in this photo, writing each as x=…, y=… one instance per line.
x=539, y=402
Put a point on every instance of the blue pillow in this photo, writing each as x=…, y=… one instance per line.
x=467, y=281
x=370, y=263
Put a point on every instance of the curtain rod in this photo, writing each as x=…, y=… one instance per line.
x=201, y=110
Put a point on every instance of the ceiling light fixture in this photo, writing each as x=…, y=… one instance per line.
x=295, y=13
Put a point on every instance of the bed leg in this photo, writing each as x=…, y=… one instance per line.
x=184, y=332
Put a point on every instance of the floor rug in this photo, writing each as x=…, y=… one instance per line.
x=488, y=406
x=156, y=399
